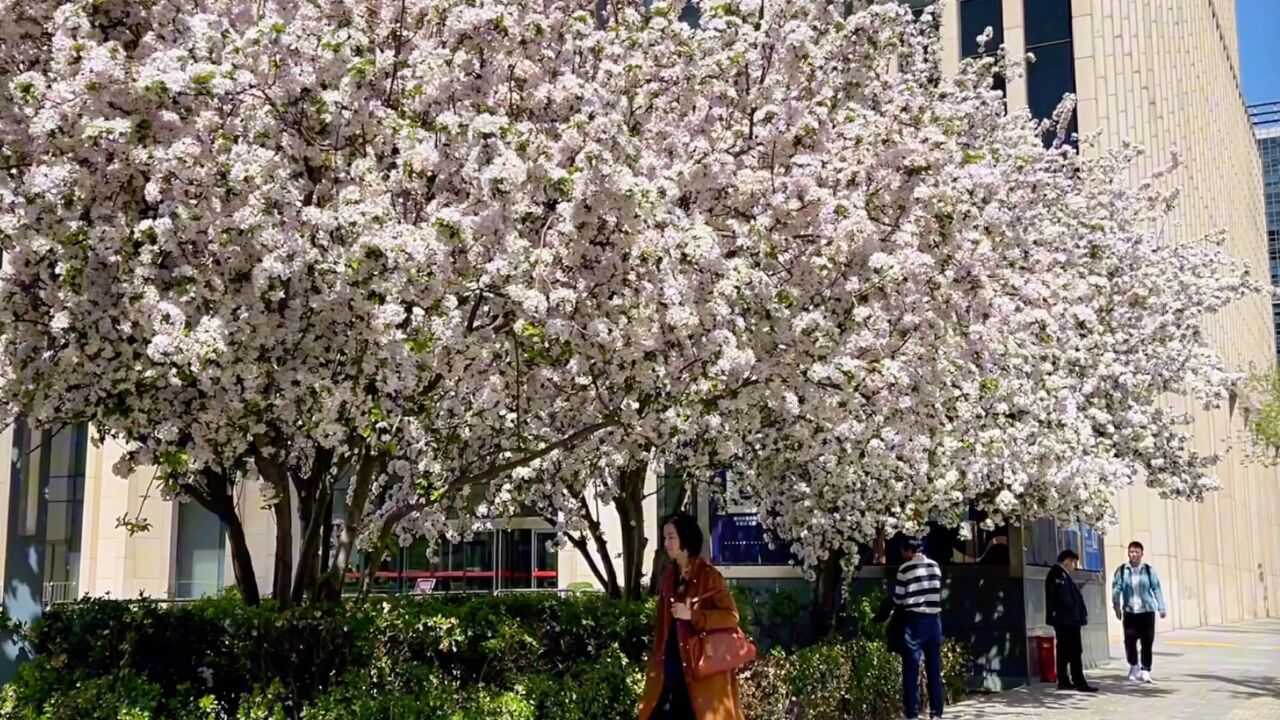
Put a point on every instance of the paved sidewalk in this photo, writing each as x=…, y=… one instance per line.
x=1223, y=673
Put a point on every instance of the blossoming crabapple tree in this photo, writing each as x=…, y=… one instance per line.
x=955, y=316
x=435, y=244
x=296, y=240
x=916, y=307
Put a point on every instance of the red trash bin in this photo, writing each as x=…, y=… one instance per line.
x=1048, y=659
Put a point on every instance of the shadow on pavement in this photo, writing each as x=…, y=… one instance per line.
x=1245, y=688
x=1017, y=703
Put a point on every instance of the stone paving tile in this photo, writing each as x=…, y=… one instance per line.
x=1227, y=673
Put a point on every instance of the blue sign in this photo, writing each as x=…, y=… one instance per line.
x=1085, y=540
x=739, y=539
x=1091, y=554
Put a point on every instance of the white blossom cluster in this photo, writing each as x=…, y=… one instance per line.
x=526, y=244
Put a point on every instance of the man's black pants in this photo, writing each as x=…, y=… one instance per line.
x=1070, y=649
x=1139, y=627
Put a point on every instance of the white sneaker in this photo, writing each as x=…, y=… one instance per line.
x=1134, y=673
x=1146, y=677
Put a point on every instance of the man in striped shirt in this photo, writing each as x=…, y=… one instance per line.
x=918, y=595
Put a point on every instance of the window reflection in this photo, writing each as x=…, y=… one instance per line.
x=975, y=17
x=504, y=560
x=1053, y=74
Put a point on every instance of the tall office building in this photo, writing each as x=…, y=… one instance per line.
x=1266, y=124
x=1165, y=73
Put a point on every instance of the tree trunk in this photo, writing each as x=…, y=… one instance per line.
x=216, y=498
x=377, y=551
x=313, y=489
x=580, y=544
x=612, y=584
x=282, y=578
x=273, y=474
x=826, y=595
x=365, y=473
x=326, y=551
x=629, y=505
x=242, y=560
x=306, y=579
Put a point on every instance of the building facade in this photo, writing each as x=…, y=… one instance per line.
x=64, y=535
x=1164, y=73
x=1266, y=124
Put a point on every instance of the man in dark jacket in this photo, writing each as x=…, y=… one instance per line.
x=1067, y=613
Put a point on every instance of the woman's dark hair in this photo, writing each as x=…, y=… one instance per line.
x=688, y=531
x=1066, y=555
x=1136, y=544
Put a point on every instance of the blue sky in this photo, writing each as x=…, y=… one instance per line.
x=1259, y=25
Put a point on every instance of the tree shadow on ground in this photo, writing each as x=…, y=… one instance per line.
x=1245, y=688
x=1044, y=698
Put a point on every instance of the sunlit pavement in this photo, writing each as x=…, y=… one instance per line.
x=1222, y=673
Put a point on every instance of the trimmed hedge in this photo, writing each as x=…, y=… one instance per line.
x=837, y=681
x=516, y=657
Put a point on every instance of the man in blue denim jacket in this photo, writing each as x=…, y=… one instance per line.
x=1136, y=596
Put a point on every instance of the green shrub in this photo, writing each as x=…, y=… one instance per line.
x=821, y=680
x=765, y=687
x=777, y=617
x=486, y=703
x=604, y=688
x=522, y=657
x=120, y=696
x=856, y=680
x=875, y=675
x=417, y=692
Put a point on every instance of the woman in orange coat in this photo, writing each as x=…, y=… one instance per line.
x=693, y=599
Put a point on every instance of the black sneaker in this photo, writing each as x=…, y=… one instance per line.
x=1086, y=689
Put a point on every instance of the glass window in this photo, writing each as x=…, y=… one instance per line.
x=341, y=487
x=62, y=454
x=66, y=456
x=947, y=546
x=1041, y=542
x=1049, y=78
x=1046, y=538
x=1053, y=74
x=975, y=17
x=517, y=559
x=692, y=14
x=1047, y=21
x=26, y=474
x=999, y=82
x=201, y=555
x=546, y=573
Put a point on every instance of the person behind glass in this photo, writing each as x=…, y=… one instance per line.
x=1065, y=611
x=1136, y=596
x=918, y=592
x=693, y=598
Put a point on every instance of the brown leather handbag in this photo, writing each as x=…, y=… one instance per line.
x=719, y=651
